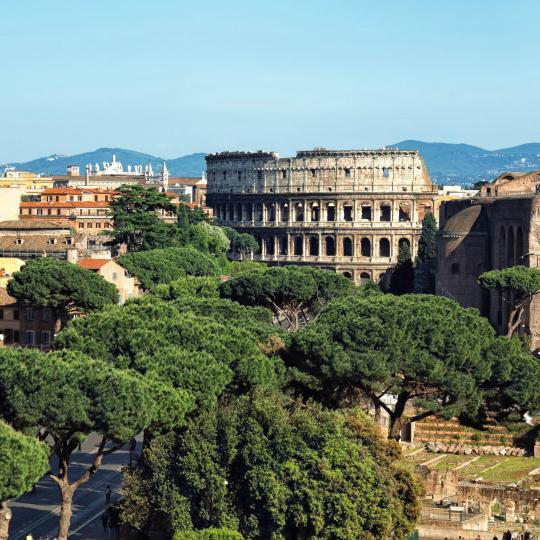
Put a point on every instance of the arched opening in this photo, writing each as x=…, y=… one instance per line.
x=259, y=212
x=330, y=246
x=364, y=278
x=330, y=212
x=230, y=212
x=314, y=245
x=348, y=247
x=283, y=245
x=239, y=216
x=270, y=245
x=366, y=212
x=423, y=209
x=298, y=212
x=404, y=212
x=284, y=212
x=347, y=212
x=365, y=247
x=315, y=212
x=272, y=212
x=520, y=247
x=502, y=248
x=386, y=212
x=298, y=245
x=347, y=275
x=259, y=244
x=384, y=247
x=249, y=212
x=404, y=242
x=510, y=252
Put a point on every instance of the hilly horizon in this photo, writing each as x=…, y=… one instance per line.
x=448, y=163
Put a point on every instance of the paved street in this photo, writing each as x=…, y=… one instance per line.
x=37, y=513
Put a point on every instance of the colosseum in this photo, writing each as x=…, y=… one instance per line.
x=348, y=210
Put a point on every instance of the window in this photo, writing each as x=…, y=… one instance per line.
x=298, y=245
x=114, y=276
x=386, y=212
x=49, y=212
x=313, y=245
x=30, y=314
x=313, y=173
x=384, y=247
x=284, y=174
x=81, y=225
x=330, y=212
x=454, y=268
x=107, y=226
x=347, y=173
x=46, y=314
x=298, y=212
x=45, y=339
x=29, y=337
x=347, y=247
x=40, y=211
x=347, y=212
x=19, y=241
x=69, y=241
x=366, y=212
x=71, y=198
x=259, y=175
x=404, y=213
x=386, y=172
x=98, y=225
x=89, y=225
x=330, y=246
x=16, y=315
x=58, y=212
x=365, y=247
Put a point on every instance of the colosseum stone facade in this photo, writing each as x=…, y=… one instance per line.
x=339, y=209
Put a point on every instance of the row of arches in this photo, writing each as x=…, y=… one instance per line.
x=511, y=246
x=348, y=211
x=320, y=245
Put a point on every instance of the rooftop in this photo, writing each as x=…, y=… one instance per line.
x=21, y=225
x=93, y=264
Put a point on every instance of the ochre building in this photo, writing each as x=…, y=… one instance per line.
x=348, y=210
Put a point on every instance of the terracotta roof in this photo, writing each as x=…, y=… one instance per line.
x=22, y=225
x=5, y=298
x=76, y=191
x=93, y=264
x=65, y=204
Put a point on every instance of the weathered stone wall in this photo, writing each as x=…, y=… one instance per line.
x=346, y=210
x=482, y=234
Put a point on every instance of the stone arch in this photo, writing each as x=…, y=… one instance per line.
x=365, y=247
x=284, y=211
x=348, y=275
x=299, y=212
x=283, y=245
x=520, y=246
x=270, y=245
x=330, y=212
x=404, y=242
x=313, y=247
x=271, y=209
x=384, y=247
x=258, y=212
x=315, y=212
x=364, y=278
x=348, y=211
x=239, y=214
x=298, y=242
x=348, y=248
x=510, y=247
x=330, y=246
x=502, y=248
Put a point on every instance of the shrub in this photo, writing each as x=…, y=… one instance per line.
x=208, y=534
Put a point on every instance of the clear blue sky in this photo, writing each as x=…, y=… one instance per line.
x=171, y=77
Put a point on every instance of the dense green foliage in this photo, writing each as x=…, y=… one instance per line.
x=427, y=256
x=169, y=264
x=150, y=330
x=188, y=287
x=519, y=284
x=271, y=468
x=209, y=239
x=419, y=348
x=241, y=243
x=295, y=294
x=136, y=221
x=23, y=461
x=402, y=280
x=208, y=534
x=61, y=286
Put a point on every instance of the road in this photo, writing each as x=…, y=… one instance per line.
x=37, y=513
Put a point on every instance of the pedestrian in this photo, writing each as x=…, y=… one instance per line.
x=105, y=520
x=108, y=493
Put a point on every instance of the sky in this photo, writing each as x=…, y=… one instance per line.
x=173, y=77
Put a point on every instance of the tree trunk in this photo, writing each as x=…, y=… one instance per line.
x=66, y=492
x=5, y=518
x=396, y=418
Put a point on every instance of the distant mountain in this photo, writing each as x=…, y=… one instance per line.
x=191, y=165
x=447, y=163
x=465, y=164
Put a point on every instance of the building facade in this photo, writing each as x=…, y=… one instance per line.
x=344, y=210
x=497, y=229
